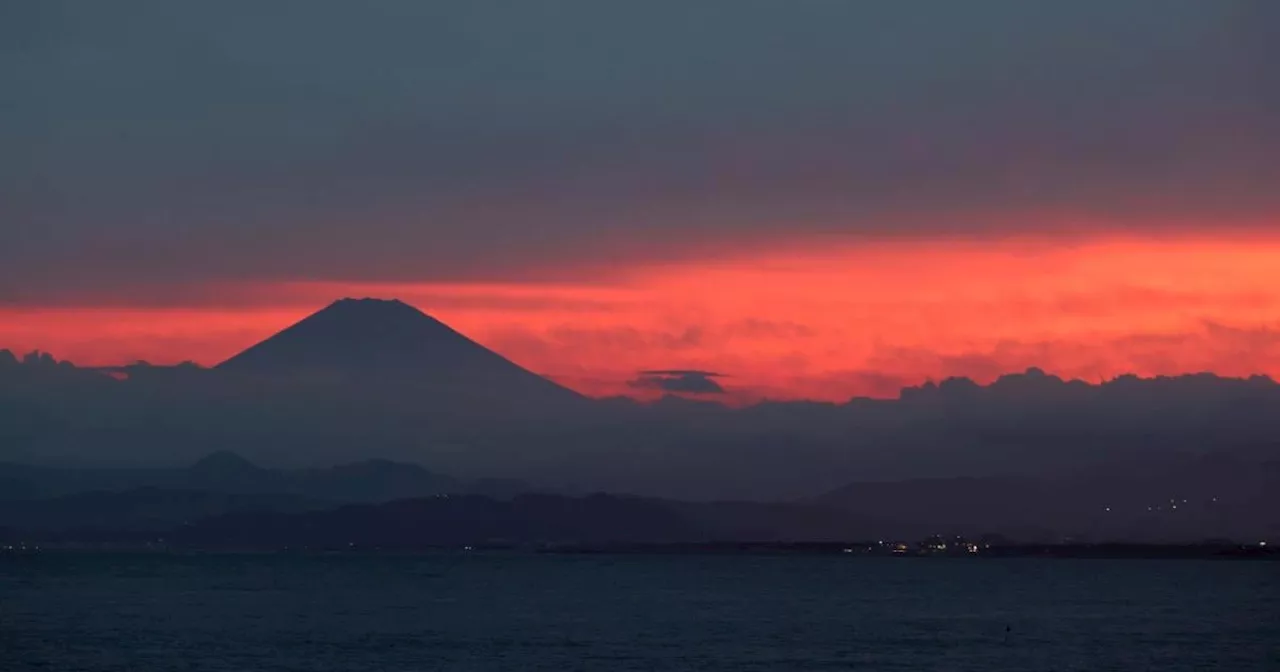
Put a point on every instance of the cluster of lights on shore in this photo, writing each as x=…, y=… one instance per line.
x=934, y=544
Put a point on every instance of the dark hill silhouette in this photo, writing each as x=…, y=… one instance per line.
x=227, y=473
x=389, y=341
x=225, y=465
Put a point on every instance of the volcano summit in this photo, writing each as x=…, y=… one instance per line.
x=368, y=340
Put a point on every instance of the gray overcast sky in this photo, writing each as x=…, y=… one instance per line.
x=184, y=142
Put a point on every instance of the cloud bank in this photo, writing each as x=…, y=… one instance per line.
x=679, y=381
x=408, y=142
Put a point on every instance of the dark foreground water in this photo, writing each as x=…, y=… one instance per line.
x=537, y=612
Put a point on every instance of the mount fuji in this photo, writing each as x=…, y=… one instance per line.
x=374, y=341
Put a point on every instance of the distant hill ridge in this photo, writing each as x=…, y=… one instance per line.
x=228, y=473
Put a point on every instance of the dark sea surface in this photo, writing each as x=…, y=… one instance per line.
x=509, y=611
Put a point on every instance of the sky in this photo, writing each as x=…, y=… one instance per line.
x=812, y=199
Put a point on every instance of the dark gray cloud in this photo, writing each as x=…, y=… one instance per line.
x=686, y=381
x=151, y=141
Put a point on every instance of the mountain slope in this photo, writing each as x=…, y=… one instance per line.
x=389, y=341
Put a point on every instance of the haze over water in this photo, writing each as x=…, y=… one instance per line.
x=477, y=611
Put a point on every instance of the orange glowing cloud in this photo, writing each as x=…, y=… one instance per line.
x=808, y=321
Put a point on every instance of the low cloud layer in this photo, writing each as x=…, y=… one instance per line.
x=679, y=381
x=1032, y=422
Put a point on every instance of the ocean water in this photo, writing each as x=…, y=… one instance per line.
x=499, y=611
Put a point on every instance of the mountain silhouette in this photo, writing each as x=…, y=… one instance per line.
x=389, y=341
x=228, y=473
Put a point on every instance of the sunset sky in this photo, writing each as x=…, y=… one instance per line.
x=814, y=199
